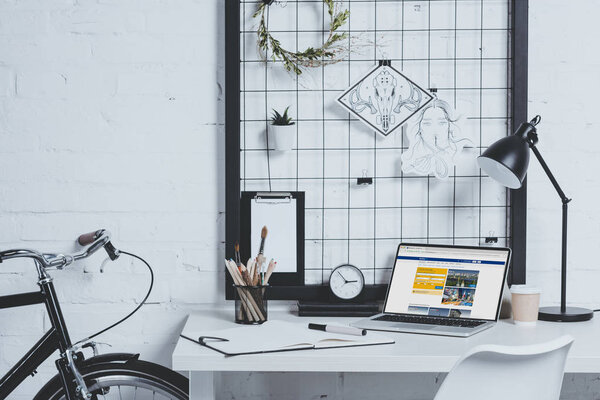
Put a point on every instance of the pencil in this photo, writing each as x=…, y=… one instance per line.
x=270, y=272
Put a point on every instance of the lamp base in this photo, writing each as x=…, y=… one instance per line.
x=571, y=314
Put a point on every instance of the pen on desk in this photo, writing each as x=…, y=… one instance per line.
x=346, y=330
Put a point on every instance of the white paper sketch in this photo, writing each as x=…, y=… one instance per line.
x=384, y=98
x=433, y=141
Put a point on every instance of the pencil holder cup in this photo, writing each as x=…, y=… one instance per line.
x=250, y=304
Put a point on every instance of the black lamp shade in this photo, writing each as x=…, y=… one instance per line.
x=506, y=161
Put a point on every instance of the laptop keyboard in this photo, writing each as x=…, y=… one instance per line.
x=417, y=319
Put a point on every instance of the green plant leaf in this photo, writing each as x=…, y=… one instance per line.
x=295, y=61
x=278, y=119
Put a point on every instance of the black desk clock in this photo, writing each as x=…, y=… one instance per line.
x=346, y=283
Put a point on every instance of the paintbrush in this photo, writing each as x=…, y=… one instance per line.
x=260, y=258
x=238, y=260
x=263, y=236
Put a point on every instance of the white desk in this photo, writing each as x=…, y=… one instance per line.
x=410, y=353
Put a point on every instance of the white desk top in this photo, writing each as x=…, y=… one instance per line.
x=410, y=353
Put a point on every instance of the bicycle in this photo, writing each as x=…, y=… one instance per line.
x=107, y=376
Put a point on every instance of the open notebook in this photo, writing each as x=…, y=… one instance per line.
x=278, y=336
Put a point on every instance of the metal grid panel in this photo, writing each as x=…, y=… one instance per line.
x=459, y=47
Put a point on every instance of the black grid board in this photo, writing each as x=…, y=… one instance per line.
x=459, y=47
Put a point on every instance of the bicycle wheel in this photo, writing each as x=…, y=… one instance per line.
x=135, y=379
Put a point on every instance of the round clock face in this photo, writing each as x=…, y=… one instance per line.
x=346, y=282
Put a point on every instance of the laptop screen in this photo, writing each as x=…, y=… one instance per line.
x=452, y=281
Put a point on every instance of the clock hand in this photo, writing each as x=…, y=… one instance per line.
x=345, y=281
x=351, y=281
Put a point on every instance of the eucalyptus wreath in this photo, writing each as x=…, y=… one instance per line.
x=330, y=52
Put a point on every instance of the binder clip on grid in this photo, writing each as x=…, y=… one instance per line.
x=490, y=240
x=365, y=180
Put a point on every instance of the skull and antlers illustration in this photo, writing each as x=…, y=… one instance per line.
x=384, y=85
x=386, y=98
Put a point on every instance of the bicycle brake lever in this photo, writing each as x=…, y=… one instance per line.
x=113, y=252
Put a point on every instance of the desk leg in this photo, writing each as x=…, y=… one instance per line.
x=202, y=386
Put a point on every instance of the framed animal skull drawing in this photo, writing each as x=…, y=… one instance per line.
x=384, y=99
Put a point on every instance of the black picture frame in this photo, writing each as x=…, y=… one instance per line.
x=518, y=108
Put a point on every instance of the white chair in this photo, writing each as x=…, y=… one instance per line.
x=494, y=372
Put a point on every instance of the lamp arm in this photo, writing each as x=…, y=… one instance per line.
x=562, y=195
x=565, y=205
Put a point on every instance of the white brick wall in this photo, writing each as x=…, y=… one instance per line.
x=111, y=116
x=563, y=81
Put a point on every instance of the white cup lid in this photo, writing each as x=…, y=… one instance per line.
x=525, y=289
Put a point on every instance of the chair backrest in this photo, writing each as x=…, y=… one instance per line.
x=495, y=372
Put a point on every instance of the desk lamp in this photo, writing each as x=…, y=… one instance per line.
x=506, y=161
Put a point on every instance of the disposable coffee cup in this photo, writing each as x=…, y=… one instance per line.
x=525, y=304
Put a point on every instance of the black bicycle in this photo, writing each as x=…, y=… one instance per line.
x=107, y=376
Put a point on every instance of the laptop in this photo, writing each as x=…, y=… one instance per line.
x=443, y=290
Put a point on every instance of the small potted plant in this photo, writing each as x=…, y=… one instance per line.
x=282, y=133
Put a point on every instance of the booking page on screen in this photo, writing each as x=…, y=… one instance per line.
x=447, y=282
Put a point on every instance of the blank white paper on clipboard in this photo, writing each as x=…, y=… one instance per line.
x=279, y=216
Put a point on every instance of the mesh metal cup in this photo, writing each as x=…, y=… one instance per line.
x=250, y=304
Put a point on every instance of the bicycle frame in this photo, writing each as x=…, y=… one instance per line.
x=57, y=338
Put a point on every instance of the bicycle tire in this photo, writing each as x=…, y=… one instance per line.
x=131, y=375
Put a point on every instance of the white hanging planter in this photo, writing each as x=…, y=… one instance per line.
x=282, y=137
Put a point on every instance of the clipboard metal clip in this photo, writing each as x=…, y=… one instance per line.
x=273, y=197
x=201, y=340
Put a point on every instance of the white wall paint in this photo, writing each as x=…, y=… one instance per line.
x=111, y=115
x=563, y=82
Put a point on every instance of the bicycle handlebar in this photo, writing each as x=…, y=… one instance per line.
x=96, y=240
x=87, y=238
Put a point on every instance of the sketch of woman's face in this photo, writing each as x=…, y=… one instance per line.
x=435, y=128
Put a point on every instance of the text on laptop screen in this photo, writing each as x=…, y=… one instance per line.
x=447, y=281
